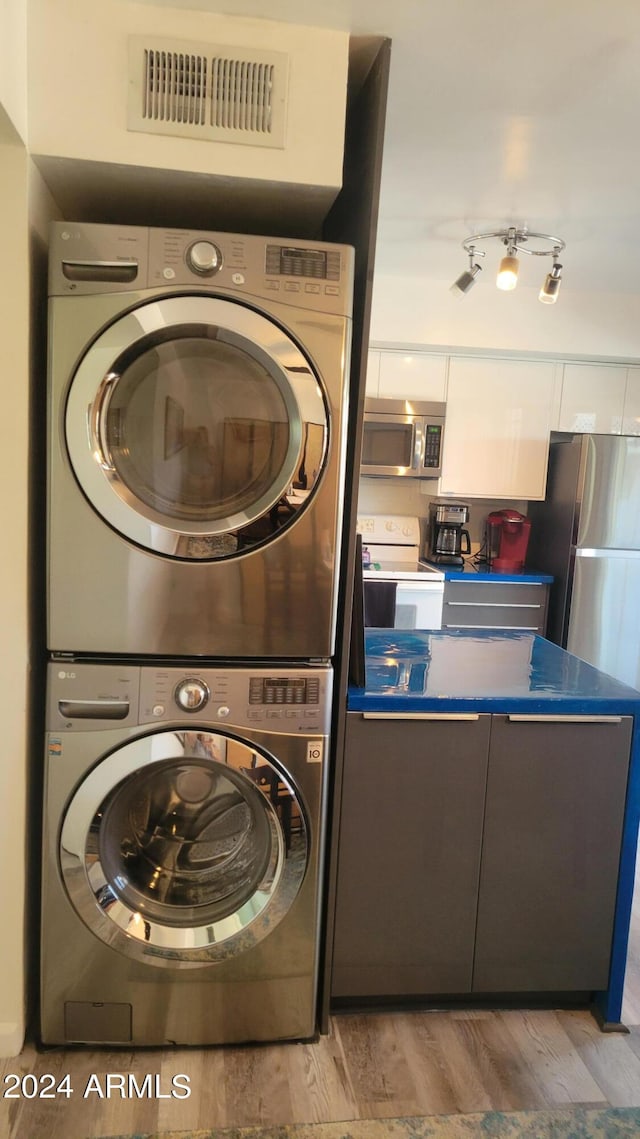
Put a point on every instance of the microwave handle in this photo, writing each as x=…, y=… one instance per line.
x=418, y=445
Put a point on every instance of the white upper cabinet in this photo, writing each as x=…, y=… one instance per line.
x=593, y=398
x=631, y=410
x=373, y=373
x=500, y=412
x=412, y=376
x=496, y=440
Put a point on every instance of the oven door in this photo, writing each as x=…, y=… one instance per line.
x=393, y=604
x=419, y=605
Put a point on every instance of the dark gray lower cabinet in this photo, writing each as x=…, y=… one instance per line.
x=409, y=855
x=478, y=855
x=495, y=605
x=551, y=849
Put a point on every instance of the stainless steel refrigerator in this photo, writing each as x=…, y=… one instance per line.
x=587, y=534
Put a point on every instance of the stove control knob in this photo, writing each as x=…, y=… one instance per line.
x=191, y=694
x=204, y=258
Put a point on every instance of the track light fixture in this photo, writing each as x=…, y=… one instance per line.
x=467, y=279
x=517, y=240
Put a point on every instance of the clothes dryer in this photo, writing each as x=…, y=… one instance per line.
x=183, y=840
x=197, y=396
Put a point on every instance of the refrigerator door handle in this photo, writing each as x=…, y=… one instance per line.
x=590, y=552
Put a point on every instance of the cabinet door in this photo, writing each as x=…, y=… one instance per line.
x=553, y=825
x=496, y=440
x=592, y=398
x=409, y=855
x=631, y=412
x=373, y=373
x=417, y=376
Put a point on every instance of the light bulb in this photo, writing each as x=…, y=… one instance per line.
x=508, y=272
x=549, y=292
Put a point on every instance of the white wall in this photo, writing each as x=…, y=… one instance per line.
x=79, y=83
x=14, y=573
x=423, y=311
x=42, y=210
x=13, y=63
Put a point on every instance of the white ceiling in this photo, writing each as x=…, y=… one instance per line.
x=500, y=112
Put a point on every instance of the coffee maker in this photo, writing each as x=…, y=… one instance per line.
x=507, y=538
x=448, y=541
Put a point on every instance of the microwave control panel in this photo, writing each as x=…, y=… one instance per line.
x=432, y=444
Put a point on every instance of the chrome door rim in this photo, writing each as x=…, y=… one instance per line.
x=130, y=932
x=91, y=389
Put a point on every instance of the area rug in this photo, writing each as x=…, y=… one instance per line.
x=556, y=1123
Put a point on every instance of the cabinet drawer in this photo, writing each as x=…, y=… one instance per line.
x=530, y=617
x=495, y=592
x=495, y=605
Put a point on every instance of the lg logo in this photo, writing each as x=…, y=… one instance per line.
x=66, y=675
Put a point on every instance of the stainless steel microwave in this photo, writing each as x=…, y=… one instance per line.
x=402, y=437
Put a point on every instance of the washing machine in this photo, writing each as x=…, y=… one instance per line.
x=183, y=837
x=197, y=412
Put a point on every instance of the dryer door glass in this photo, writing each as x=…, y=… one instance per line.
x=196, y=427
x=198, y=430
x=191, y=854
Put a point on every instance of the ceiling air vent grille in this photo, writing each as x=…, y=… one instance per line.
x=241, y=94
x=175, y=87
x=208, y=92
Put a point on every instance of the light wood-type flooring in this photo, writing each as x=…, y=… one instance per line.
x=369, y=1066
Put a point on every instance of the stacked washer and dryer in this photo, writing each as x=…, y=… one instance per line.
x=197, y=416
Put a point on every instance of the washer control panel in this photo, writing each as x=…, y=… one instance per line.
x=278, y=700
x=86, y=696
x=284, y=690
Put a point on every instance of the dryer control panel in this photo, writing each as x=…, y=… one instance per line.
x=86, y=258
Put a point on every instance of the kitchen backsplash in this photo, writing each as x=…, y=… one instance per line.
x=391, y=496
x=407, y=496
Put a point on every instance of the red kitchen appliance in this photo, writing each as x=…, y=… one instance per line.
x=507, y=538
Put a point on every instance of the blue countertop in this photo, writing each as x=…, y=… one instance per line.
x=471, y=574
x=482, y=671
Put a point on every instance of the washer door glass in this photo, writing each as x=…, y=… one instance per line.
x=172, y=849
x=196, y=427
